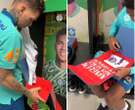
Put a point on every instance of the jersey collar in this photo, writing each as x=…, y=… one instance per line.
x=5, y=12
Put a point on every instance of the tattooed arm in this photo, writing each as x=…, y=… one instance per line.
x=7, y=80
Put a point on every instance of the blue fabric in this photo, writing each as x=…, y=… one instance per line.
x=122, y=20
x=15, y=105
x=126, y=83
x=25, y=69
x=125, y=37
x=132, y=70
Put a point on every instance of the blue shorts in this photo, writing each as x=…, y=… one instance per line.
x=127, y=83
x=15, y=105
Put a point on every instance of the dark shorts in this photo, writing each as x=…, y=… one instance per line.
x=15, y=105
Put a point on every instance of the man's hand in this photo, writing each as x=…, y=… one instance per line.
x=122, y=72
x=113, y=44
x=7, y=79
x=34, y=94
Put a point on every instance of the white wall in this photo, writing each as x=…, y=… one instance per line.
x=5, y=4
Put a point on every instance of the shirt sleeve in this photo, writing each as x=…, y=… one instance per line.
x=9, y=50
x=116, y=24
x=132, y=70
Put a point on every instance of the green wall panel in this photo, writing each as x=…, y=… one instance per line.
x=55, y=5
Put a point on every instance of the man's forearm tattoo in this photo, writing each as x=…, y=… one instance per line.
x=2, y=79
x=19, y=88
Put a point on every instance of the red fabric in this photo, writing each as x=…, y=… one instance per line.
x=107, y=84
x=45, y=86
x=46, y=90
x=96, y=71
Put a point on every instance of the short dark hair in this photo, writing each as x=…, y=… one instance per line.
x=70, y=1
x=129, y=4
x=60, y=33
x=33, y=4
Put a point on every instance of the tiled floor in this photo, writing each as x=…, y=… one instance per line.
x=85, y=102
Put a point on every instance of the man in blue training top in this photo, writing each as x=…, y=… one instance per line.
x=21, y=14
x=113, y=98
